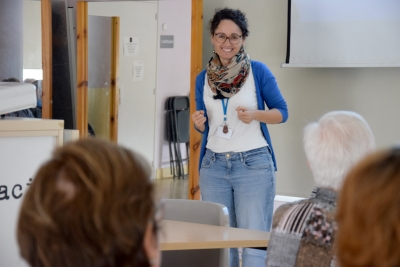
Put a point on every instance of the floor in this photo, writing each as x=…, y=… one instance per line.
x=172, y=188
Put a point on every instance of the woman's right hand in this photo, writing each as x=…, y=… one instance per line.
x=199, y=119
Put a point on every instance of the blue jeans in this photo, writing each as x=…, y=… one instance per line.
x=245, y=183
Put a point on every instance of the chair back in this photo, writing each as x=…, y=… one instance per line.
x=196, y=211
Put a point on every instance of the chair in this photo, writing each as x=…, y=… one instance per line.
x=177, y=132
x=197, y=212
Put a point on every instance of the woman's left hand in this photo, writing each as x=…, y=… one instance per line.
x=245, y=115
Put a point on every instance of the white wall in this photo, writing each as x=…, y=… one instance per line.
x=32, y=35
x=173, y=67
x=372, y=92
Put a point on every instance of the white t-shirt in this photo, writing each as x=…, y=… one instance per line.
x=244, y=136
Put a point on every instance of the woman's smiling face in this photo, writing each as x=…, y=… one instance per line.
x=226, y=50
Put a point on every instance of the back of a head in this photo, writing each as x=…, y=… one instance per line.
x=89, y=205
x=12, y=79
x=334, y=144
x=368, y=213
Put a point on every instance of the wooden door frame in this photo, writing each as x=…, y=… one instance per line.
x=47, y=60
x=82, y=68
x=114, y=79
x=195, y=69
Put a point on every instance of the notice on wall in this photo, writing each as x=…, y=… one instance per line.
x=131, y=46
x=138, y=70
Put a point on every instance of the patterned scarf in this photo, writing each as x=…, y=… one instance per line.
x=225, y=82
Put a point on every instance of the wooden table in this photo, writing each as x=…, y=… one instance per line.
x=175, y=235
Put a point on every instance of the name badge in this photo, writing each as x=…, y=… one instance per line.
x=220, y=132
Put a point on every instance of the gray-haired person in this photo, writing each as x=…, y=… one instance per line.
x=303, y=232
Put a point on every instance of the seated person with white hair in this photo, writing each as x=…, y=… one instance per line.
x=303, y=232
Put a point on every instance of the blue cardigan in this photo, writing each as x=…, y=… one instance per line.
x=267, y=91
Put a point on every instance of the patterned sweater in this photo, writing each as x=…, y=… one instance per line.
x=303, y=232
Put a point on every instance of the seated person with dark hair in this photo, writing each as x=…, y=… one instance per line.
x=303, y=232
x=36, y=111
x=91, y=205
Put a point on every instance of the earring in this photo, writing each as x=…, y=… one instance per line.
x=213, y=51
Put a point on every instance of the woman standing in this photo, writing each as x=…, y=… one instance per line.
x=237, y=160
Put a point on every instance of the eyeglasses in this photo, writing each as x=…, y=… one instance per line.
x=159, y=211
x=158, y=215
x=233, y=39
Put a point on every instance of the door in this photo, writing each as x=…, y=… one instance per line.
x=103, y=38
x=137, y=75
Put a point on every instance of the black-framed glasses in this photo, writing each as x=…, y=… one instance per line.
x=159, y=211
x=233, y=39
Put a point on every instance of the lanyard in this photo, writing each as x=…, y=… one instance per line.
x=225, y=107
x=225, y=129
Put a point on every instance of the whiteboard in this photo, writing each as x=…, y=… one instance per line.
x=343, y=33
x=20, y=158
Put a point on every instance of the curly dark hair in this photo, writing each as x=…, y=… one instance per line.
x=235, y=15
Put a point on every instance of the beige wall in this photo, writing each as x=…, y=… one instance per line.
x=311, y=92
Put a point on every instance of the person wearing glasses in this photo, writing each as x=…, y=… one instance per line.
x=368, y=213
x=91, y=204
x=237, y=161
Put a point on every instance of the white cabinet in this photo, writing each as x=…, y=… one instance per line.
x=25, y=144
